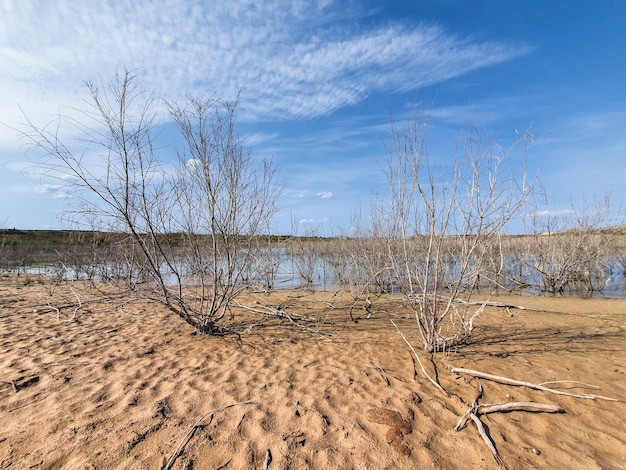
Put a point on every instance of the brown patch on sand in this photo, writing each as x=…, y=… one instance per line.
x=121, y=386
x=398, y=427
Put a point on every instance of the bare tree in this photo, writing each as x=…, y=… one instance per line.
x=224, y=198
x=3, y=244
x=442, y=222
x=304, y=253
x=193, y=225
x=567, y=251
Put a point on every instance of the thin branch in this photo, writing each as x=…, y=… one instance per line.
x=192, y=429
x=296, y=320
x=365, y=286
x=268, y=460
x=575, y=384
x=505, y=408
x=519, y=406
x=80, y=304
x=519, y=383
x=485, y=435
x=433, y=381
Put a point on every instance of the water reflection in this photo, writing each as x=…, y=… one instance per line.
x=285, y=269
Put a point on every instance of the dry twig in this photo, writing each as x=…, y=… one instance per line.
x=192, y=429
x=505, y=408
x=485, y=435
x=268, y=460
x=519, y=383
x=433, y=381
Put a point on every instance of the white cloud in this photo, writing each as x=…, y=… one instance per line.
x=311, y=221
x=546, y=213
x=290, y=57
x=193, y=164
x=298, y=193
x=257, y=138
x=294, y=60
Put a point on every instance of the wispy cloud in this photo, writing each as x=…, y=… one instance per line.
x=291, y=57
x=325, y=194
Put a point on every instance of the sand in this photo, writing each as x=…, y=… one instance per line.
x=123, y=385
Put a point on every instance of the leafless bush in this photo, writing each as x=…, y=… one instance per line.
x=305, y=254
x=617, y=242
x=441, y=224
x=361, y=266
x=268, y=264
x=192, y=226
x=3, y=245
x=567, y=251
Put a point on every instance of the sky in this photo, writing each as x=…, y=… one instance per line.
x=319, y=80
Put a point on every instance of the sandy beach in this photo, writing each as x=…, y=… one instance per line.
x=94, y=378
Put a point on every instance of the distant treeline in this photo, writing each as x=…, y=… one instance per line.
x=17, y=237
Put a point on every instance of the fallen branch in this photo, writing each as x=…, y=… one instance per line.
x=21, y=382
x=505, y=408
x=80, y=304
x=485, y=435
x=433, y=381
x=519, y=406
x=224, y=465
x=12, y=384
x=476, y=410
x=368, y=304
x=298, y=321
x=575, y=383
x=519, y=383
x=507, y=306
x=383, y=372
x=279, y=312
x=191, y=430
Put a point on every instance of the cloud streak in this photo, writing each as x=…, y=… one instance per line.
x=295, y=60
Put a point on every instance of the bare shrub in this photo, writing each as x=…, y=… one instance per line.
x=305, y=254
x=442, y=223
x=4, y=248
x=190, y=227
x=567, y=251
x=361, y=265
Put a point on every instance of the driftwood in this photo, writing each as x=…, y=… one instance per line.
x=476, y=410
x=224, y=465
x=508, y=308
x=519, y=383
x=187, y=437
x=505, y=408
x=12, y=383
x=485, y=435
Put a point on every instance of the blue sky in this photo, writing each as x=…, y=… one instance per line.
x=319, y=78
